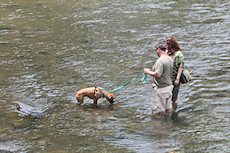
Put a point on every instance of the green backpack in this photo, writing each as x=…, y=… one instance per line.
x=185, y=77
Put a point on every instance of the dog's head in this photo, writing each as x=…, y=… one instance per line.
x=109, y=96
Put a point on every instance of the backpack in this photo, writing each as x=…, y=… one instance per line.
x=185, y=77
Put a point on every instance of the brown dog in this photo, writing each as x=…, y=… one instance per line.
x=94, y=93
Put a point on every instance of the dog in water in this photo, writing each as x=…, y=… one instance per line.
x=94, y=93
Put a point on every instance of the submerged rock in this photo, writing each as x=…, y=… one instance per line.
x=27, y=110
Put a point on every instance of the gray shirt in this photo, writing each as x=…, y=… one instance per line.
x=164, y=67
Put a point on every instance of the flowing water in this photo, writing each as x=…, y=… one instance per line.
x=49, y=49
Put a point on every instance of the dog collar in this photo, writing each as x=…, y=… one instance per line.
x=103, y=94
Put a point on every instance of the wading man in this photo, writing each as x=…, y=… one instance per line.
x=162, y=82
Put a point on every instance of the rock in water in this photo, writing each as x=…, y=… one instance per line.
x=27, y=110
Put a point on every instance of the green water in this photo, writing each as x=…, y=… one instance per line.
x=50, y=49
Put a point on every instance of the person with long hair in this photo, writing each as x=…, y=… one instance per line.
x=174, y=51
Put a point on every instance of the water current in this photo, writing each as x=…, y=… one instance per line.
x=49, y=49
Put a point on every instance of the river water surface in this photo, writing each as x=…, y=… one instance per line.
x=49, y=49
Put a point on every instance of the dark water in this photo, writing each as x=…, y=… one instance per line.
x=50, y=49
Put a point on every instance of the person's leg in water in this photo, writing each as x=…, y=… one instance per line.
x=175, y=92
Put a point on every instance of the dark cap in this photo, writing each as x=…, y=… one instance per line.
x=161, y=45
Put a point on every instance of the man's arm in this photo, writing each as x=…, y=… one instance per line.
x=147, y=71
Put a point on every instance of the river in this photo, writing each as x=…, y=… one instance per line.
x=49, y=49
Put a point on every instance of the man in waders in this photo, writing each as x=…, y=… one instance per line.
x=162, y=83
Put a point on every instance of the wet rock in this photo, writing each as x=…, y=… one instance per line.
x=27, y=110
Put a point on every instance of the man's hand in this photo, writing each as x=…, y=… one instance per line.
x=147, y=71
